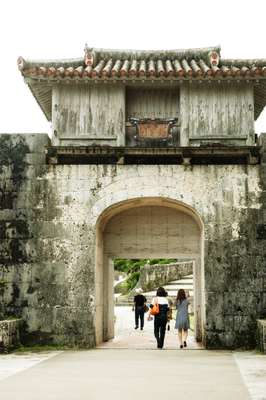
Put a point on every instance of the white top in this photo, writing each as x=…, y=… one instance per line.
x=160, y=300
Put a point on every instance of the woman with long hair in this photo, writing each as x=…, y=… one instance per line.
x=182, y=318
x=160, y=319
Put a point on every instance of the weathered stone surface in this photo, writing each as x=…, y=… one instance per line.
x=261, y=335
x=48, y=221
x=152, y=276
x=9, y=334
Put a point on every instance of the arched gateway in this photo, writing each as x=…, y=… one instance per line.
x=146, y=228
x=140, y=141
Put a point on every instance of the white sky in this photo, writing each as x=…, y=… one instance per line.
x=60, y=29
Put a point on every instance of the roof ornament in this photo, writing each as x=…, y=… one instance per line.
x=21, y=63
x=214, y=58
x=89, y=57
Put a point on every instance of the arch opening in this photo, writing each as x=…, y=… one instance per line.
x=146, y=228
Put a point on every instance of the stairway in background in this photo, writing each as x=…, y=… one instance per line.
x=171, y=287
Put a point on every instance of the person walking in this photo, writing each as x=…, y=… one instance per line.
x=139, y=307
x=160, y=319
x=182, y=318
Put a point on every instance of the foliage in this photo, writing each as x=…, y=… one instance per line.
x=132, y=268
x=129, y=284
x=128, y=266
x=132, y=280
x=134, y=265
x=121, y=288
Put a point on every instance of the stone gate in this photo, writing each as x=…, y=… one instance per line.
x=153, y=155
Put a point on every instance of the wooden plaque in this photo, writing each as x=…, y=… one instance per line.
x=153, y=130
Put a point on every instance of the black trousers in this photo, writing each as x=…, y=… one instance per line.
x=160, y=322
x=139, y=314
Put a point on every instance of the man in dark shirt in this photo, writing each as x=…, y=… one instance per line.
x=139, y=303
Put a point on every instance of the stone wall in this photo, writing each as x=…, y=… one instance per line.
x=9, y=334
x=261, y=335
x=48, y=222
x=152, y=276
x=236, y=293
x=41, y=260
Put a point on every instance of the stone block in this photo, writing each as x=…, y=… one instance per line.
x=9, y=334
x=74, y=326
x=35, y=142
x=36, y=158
x=263, y=174
x=152, y=276
x=14, y=229
x=262, y=141
x=16, y=273
x=51, y=272
x=261, y=232
x=7, y=200
x=38, y=325
x=261, y=335
x=228, y=339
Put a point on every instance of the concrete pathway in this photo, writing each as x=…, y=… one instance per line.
x=253, y=370
x=126, y=337
x=129, y=374
x=13, y=363
x=119, y=371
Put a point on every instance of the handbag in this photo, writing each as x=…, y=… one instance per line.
x=169, y=315
x=155, y=309
x=146, y=308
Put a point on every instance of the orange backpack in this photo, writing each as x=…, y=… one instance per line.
x=155, y=309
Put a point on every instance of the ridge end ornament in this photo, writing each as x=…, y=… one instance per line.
x=214, y=58
x=89, y=57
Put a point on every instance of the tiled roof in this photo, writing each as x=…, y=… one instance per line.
x=137, y=65
x=125, y=65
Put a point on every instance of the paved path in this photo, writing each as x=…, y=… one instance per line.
x=126, y=337
x=117, y=373
x=253, y=370
x=129, y=374
x=13, y=363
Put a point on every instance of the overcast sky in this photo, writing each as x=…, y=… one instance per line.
x=60, y=29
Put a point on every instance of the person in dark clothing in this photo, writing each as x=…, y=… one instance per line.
x=160, y=320
x=139, y=305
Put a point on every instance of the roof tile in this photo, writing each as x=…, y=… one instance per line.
x=107, y=68
x=125, y=68
x=178, y=68
x=116, y=68
x=151, y=68
x=133, y=65
x=196, y=69
x=169, y=68
x=178, y=64
x=160, y=68
x=133, y=68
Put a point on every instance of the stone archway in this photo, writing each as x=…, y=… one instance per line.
x=146, y=228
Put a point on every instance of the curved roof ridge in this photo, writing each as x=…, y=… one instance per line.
x=28, y=63
x=145, y=54
x=242, y=62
